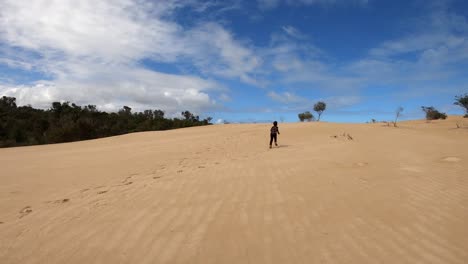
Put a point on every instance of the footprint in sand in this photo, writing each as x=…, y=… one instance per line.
x=344, y=136
x=60, y=201
x=156, y=177
x=25, y=211
x=451, y=159
x=126, y=181
x=411, y=169
x=201, y=167
x=101, y=192
x=179, y=171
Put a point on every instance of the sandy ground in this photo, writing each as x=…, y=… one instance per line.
x=218, y=194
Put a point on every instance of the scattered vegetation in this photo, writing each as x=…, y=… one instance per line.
x=65, y=122
x=344, y=136
x=397, y=115
x=306, y=116
x=432, y=113
x=319, y=108
x=462, y=100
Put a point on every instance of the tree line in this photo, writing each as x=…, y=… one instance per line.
x=67, y=122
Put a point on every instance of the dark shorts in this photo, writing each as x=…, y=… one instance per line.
x=273, y=137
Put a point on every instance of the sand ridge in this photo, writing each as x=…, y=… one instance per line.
x=330, y=193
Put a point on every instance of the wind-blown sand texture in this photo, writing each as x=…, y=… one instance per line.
x=331, y=193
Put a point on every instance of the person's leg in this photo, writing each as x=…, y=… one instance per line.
x=271, y=139
x=276, y=144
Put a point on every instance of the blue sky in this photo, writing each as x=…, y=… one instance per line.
x=240, y=61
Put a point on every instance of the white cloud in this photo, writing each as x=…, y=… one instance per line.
x=224, y=97
x=293, y=32
x=286, y=97
x=214, y=50
x=441, y=38
x=91, y=52
x=137, y=88
x=337, y=102
x=295, y=63
x=269, y=4
x=213, y=9
x=108, y=30
x=288, y=56
x=312, y=2
x=433, y=52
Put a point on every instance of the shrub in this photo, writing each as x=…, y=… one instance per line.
x=301, y=117
x=432, y=113
x=306, y=116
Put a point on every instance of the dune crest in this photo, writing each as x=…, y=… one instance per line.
x=329, y=193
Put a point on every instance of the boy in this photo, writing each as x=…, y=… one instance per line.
x=273, y=131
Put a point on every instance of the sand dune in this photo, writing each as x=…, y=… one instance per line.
x=330, y=193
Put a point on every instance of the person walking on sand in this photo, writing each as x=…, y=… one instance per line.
x=273, y=133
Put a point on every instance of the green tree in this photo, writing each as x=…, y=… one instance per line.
x=462, y=100
x=397, y=115
x=306, y=116
x=319, y=107
x=301, y=117
x=7, y=103
x=187, y=115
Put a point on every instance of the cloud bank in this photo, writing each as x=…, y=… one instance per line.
x=92, y=52
x=87, y=51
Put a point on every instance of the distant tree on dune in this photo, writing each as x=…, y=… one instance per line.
x=301, y=117
x=397, y=115
x=462, y=100
x=306, y=116
x=432, y=113
x=319, y=107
